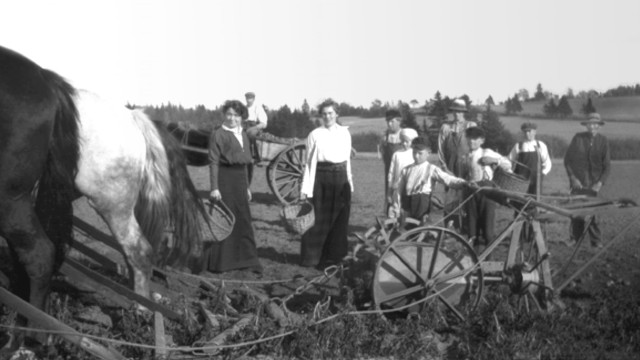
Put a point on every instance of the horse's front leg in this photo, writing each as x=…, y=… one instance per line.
x=35, y=254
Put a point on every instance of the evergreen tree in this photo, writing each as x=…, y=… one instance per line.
x=564, y=109
x=489, y=102
x=497, y=137
x=508, y=106
x=539, y=95
x=515, y=104
x=408, y=117
x=550, y=108
x=588, y=108
x=438, y=114
x=305, y=107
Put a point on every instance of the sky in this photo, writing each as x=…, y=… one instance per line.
x=198, y=52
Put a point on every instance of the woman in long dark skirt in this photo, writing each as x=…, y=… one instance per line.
x=327, y=181
x=230, y=156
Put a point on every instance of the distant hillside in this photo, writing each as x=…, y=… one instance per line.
x=624, y=108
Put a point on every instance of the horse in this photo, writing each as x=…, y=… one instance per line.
x=58, y=143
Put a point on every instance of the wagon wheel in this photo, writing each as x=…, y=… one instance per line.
x=428, y=266
x=528, y=270
x=284, y=173
x=386, y=231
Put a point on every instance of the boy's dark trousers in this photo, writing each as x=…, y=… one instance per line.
x=417, y=206
x=481, y=214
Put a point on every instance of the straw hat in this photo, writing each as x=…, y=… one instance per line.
x=458, y=105
x=593, y=118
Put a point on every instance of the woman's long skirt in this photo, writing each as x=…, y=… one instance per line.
x=326, y=242
x=238, y=251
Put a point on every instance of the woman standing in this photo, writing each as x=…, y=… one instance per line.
x=230, y=155
x=328, y=182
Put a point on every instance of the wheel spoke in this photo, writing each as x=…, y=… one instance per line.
x=451, y=307
x=397, y=274
x=287, y=172
x=434, y=256
x=401, y=293
x=407, y=264
x=286, y=181
x=287, y=193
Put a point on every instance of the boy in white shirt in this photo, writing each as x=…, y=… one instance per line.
x=399, y=161
x=416, y=182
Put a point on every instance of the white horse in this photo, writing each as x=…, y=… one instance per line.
x=134, y=175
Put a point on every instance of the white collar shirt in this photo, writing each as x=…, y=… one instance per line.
x=236, y=131
x=324, y=144
x=420, y=178
x=531, y=146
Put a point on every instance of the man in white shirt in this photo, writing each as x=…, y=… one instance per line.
x=255, y=122
x=257, y=117
x=531, y=158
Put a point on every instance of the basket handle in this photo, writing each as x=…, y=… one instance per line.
x=210, y=204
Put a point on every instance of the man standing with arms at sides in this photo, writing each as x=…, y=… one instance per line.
x=588, y=165
x=389, y=144
x=453, y=147
x=253, y=125
x=531, y=159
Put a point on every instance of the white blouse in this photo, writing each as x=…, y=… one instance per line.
x=331, y=144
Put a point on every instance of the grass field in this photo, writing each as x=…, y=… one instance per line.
x=564, y=129
x=624, y=108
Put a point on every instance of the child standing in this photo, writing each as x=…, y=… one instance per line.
x=477, y=168
x=416, y=182
x=399, y=161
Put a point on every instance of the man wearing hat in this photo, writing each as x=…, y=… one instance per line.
x=256, y=121
x=531, y=158
x=452, y=149
x=588, y=165
x=257, y=117
x=389, y=143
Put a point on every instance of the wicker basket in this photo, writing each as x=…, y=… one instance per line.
x=221, y=220
x=510, y=181
x=298, y=218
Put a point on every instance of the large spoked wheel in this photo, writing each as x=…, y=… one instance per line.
x=528, y=272
x=284, y=173
x=428, y=266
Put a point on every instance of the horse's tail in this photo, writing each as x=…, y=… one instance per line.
x=168, y=200
x=57, y=188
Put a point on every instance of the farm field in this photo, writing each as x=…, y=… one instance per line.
x=279, y=253
x=624, y=108
x=564, y=129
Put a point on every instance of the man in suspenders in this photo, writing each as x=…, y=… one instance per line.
x=453, y=147
x=531, y=159
x=389, y=144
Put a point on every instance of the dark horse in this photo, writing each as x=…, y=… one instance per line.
x=57, y=143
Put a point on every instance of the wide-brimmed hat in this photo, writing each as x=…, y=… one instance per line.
x=593, y=118
x=458, y=105
x=528, y=126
